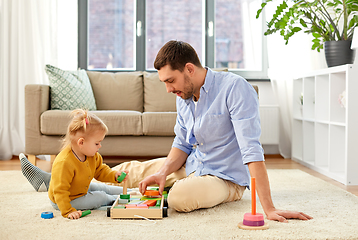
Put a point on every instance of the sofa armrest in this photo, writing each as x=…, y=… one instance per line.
x=37, y=100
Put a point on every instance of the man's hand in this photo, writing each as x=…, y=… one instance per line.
x=156, y=178
x=283, y=215
x=175, y=160
x=259, y=172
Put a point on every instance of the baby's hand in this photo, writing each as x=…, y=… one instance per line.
x=75, y=215
x=119, y=174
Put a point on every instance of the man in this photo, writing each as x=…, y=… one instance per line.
x=217, y=136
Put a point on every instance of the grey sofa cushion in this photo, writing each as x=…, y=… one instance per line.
x=55, y=122
x=117, y=91
x=156, y=97
x=159, y=123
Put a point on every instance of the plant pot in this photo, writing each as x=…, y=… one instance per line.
x=338, y=53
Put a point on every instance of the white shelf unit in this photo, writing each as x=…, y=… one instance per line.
x=325, y=134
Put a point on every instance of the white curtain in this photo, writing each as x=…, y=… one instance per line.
x=286, y=62
x=28, y=41
x=252, y=39
x=282, y=89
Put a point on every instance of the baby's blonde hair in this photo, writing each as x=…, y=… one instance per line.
x=83, y=122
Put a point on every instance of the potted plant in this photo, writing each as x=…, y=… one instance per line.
x=331, y=23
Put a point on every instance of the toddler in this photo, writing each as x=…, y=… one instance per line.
x=70, y=188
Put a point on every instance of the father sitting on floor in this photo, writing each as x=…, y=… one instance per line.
x=217, y=136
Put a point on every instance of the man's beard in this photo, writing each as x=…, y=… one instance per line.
x=188, y=88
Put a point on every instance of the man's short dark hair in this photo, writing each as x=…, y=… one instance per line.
x=177, y=54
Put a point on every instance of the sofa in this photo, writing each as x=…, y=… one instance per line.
x=135, y=106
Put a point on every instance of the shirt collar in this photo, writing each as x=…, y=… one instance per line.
x=208, y=80
x=207, y=83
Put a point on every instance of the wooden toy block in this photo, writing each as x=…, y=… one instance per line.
x=150, y=202
x=120, y=206
x=127, y=206
x=125, y=188
x=151, y=193
x=142, y=206
x=121, y=177
x=136, y=202
x=124, y=201
x=154, y=207
x=124, y=195
x=85, y=213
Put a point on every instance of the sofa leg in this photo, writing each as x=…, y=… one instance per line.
x=32, y=159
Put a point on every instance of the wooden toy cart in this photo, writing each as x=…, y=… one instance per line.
x=116, y=211
x=127, y=206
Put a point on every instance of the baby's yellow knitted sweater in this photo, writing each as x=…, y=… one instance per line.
x=70, y=178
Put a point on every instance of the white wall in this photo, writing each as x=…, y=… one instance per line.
x=266, y=96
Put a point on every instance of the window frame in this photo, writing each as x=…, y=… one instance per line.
x=140, y=41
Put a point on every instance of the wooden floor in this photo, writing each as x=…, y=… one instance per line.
x=272, y=162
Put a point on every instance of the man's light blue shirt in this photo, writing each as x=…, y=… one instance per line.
x=221, y=134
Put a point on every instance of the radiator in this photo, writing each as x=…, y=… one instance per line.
x=269, y=116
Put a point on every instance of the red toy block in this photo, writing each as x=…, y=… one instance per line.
x=150, y=202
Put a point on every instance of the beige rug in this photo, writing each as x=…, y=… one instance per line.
x=335, y=213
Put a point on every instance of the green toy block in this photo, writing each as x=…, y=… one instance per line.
x=121, y=177
x=85, y=213
x=123, y=201
x=125, y=196
x=120, y=206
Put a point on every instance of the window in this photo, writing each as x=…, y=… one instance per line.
x=126, y=35
x=111, y=34
x=172, y=19
x=238, y=41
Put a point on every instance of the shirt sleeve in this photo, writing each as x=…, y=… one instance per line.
x=244, y=111
x=181, y=131
x=61, y=179
x=103, y=172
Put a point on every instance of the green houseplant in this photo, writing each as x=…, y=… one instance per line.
x=327, y=20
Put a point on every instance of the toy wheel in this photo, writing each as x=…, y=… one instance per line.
x=109, y=212
x=165, y=212
x=165, y=203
